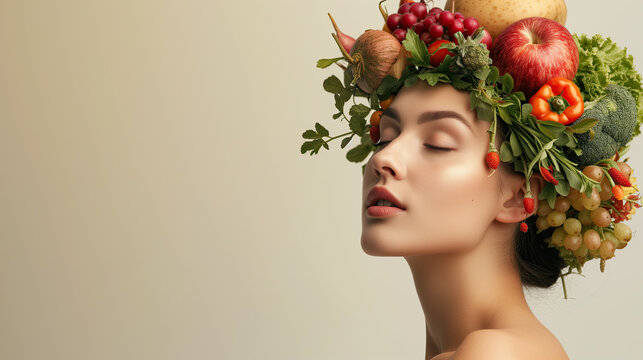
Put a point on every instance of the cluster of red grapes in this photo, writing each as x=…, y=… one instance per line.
x=590, y=227
x=431, y=25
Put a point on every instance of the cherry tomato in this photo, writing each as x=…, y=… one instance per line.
x=384, y=104
x=437, y=58
x=375, y=118
x=374, y=132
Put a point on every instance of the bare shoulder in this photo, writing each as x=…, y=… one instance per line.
x=524, y=344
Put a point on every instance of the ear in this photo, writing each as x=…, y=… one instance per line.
x=514, y=189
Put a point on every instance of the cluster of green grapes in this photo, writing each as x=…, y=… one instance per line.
x=590, y=227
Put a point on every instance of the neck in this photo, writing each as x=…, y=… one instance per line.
x=467, y=291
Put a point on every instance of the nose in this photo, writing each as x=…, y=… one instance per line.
x=389, y=161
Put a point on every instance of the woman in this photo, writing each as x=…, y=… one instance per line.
x=455, y=222
x=436, y=192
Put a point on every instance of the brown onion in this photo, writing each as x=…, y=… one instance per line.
x=375, y=55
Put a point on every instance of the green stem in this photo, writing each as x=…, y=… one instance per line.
x=338, y=136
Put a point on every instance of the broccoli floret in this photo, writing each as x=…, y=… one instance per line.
x=616, y=114
x=471, y=55
x=474, y=55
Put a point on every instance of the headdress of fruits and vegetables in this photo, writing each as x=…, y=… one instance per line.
x=569, y=104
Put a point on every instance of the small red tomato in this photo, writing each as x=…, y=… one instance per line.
x=437, y=58
x=375, y=118
x=384, y=104
x=375, y=134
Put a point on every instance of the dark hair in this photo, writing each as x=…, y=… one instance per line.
x=538, y=264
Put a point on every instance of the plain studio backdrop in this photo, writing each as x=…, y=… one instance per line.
x=154, y=203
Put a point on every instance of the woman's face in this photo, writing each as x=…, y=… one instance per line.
x=434, y=164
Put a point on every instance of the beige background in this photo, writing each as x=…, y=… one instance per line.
x=154, y=204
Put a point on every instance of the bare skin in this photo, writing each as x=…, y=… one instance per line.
x=456, y=229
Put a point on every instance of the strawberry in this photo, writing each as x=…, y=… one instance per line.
x=617, y=191
x=528, y=203
x=493, y=159
x=524, y=227
x=618, y=177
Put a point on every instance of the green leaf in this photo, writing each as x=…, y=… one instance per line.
x=518, y=164
x=505, y=152
x=460, y=84
x=485, y=112
x=482, y=73
x=507, y=83
x=505, y=115
x=324, y=63
x=573, y=178
x=366, y=138
x=446, y=63
x=583, y=126
x=562, y=187
x=388, y=86
x=551, y=129
x=321, y=130
x=374, y=101
x=577, y=151
x=541, y=154
x=345, y=95
x=307, y=146
x=430, y=77
x=333, y=85
x=411, y=80
x=337, y=116
x=516, y=149
x=548, y=193
x=473, y=99
x=417, y=49
x=309, y=134
x=493, y=75
x=348, y=78
x=359, y=110
x=529, y=148
x=526, y=111
x=339, y=103
x=520, y=95
x=345, y=141
x=357, y=124
x=358, y=153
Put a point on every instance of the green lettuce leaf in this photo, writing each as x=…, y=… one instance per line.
x=602, y=62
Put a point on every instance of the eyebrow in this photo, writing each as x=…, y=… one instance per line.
x=429, y=116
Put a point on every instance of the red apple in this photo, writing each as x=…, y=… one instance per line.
x=535, y=50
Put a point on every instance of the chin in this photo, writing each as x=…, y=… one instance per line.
x=375, y=243
x=378, y=246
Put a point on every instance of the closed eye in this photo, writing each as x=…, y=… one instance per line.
x=437, y=148
x=381, y=143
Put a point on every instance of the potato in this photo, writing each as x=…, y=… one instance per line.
x=496, y=15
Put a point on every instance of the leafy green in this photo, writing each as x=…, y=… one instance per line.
x=324, y=63
x=602, y=62
x=417, y=49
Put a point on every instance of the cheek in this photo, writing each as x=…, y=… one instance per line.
x=458, y=202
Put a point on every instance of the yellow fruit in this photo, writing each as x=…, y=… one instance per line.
x=496, y=15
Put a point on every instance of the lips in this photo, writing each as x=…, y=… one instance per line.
x=381, y=193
